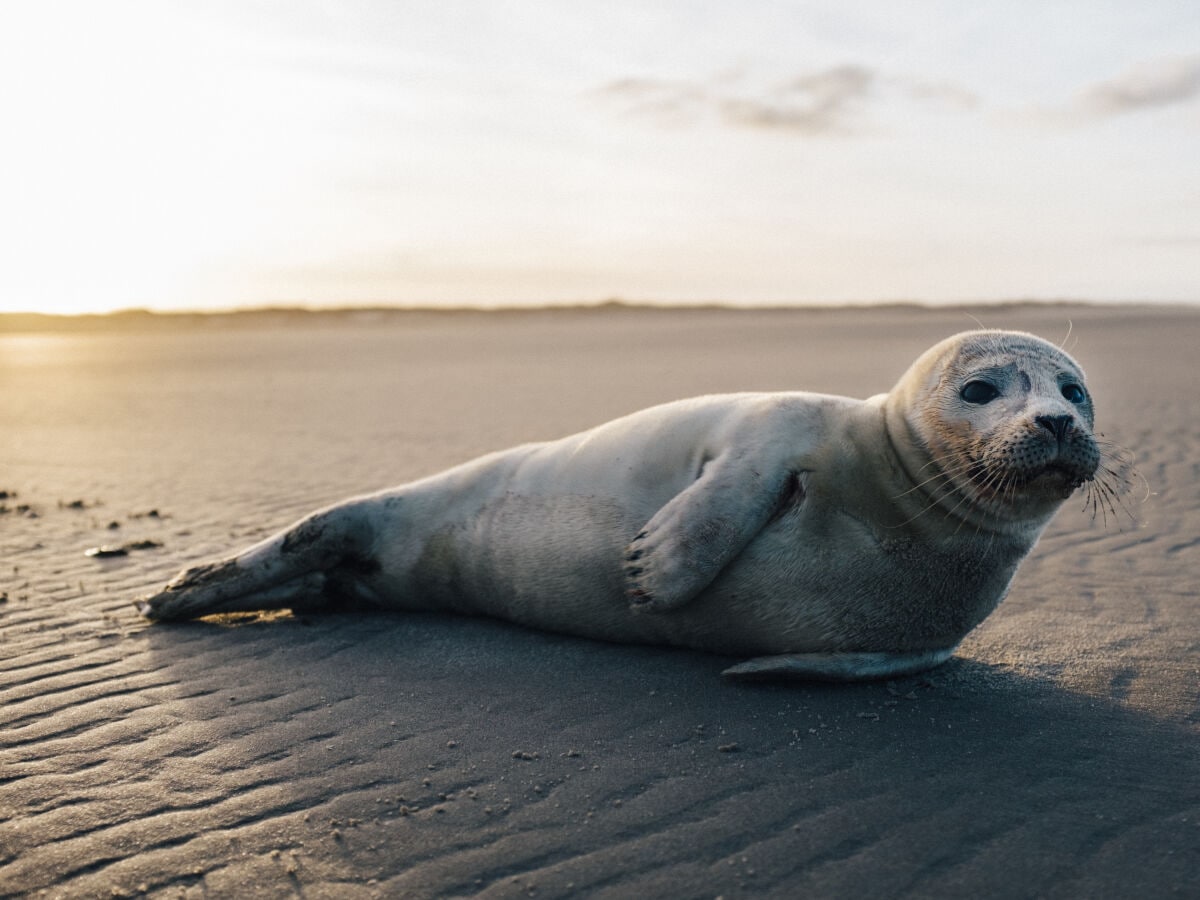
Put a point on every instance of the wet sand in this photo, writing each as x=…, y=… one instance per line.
x=423, y=756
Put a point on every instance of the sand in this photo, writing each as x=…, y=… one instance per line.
x=423, y=756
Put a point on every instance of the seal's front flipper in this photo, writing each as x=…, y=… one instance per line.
x=837, y=666
x=291, y=569
x=692, y=538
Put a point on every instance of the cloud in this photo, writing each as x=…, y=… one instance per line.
x=832, y=101
x=825, y=102
x=1165, y=82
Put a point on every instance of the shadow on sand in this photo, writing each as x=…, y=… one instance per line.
x=441, y=756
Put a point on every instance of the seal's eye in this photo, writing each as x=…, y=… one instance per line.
x=979, y=392
x=1073, y=392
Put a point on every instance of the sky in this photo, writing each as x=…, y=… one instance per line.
x=204, y=155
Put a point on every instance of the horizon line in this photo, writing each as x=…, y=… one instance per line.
x=15, y=323
x=612, y=303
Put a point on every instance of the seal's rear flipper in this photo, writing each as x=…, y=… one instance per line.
x=836, y=666
x=293, y=569
x=191, y=602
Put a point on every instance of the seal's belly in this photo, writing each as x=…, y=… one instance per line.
x=810, y=581
x=845, y=587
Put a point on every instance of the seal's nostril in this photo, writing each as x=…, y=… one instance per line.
x=1059, y=426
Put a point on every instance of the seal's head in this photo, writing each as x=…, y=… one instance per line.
x=998, y=422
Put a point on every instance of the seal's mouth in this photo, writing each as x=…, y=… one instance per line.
x=1060, y=479
x=1056, y=478
x=1064, y=473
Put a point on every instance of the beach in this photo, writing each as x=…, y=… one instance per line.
x=437, y=756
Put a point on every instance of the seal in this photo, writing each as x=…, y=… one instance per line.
x=826, y=537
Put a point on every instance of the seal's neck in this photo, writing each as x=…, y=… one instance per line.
x=928, y=490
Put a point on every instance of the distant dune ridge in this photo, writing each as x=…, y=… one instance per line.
x=432, y=756
x=15, y=322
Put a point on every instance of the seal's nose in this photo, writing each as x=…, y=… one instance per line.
x=1059, y=426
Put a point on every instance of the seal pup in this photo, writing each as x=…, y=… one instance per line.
x=828, y=538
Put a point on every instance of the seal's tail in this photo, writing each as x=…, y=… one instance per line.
x=297, y=568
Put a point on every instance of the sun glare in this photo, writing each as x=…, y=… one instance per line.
x=175, y=155
x=152, y=157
